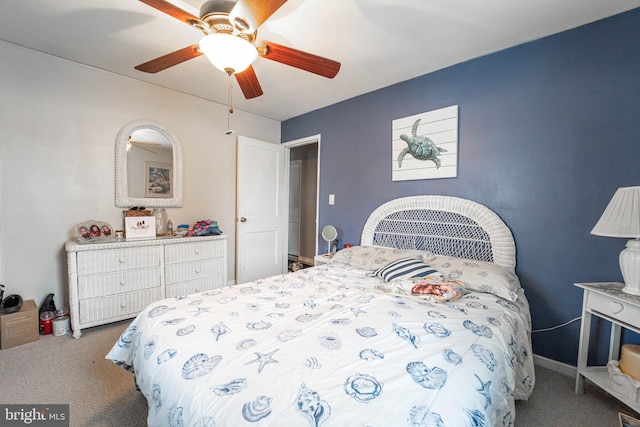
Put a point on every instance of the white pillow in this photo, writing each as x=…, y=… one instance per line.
x=373, y=257
x=405, y=268
x=479, y=276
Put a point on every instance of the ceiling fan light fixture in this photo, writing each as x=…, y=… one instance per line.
x=228, y=52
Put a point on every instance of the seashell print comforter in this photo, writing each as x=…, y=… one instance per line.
x=323, y=347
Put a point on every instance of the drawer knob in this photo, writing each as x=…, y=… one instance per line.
x=123, y=282
x=122, y=260
x=616, y=307
x=197, y=271
x=123, y=305
x=196, y=251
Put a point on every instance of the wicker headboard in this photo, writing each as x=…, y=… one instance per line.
x=443, y=225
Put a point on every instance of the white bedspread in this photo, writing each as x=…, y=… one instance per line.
x=323, y=347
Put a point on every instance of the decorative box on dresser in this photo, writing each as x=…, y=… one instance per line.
x=115, y=281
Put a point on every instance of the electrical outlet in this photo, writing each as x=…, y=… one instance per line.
x=332, y=199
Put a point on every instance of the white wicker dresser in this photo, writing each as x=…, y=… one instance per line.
x=115, y=281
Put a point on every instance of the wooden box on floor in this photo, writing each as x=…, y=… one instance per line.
x=20, y=327
x=627, y=421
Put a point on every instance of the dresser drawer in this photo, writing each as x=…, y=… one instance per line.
x=193, y=251
x=194, y=286
x=117, y=306
x=613, y=308
x=193, y=270
x=96, y=285
x=109, y=260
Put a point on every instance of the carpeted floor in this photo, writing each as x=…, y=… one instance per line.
x=554, y=404
x=74, y=371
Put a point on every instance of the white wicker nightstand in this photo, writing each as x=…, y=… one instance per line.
x=607, y=301
x=321, y=259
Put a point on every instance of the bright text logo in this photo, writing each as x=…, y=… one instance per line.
x=36, y=415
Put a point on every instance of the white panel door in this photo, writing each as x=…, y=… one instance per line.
x=293, y=247
x=262, y=217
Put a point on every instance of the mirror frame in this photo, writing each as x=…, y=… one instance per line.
x=122, y=189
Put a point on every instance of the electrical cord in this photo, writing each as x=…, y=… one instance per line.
x=558, y=326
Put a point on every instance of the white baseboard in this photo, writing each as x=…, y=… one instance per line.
x=555, y=366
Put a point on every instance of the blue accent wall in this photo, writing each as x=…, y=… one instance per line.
x=548, y=131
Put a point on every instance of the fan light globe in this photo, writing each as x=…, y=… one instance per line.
x=227, y=52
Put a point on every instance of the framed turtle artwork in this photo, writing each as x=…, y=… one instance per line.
x=425, y=146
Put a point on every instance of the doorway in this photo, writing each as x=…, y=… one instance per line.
x=302, y=233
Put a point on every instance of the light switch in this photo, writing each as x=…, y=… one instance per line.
x=332, y=199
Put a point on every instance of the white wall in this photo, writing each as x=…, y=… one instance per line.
x=58, y=123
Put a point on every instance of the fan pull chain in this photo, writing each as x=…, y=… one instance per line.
x=230, y=106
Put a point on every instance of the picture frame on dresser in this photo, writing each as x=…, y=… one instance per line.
x=93, y=231
x=114, y=281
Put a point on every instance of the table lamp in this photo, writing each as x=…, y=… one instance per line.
x=621, y=218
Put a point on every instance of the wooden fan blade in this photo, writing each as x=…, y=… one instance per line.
x=144, y=143
x=249, y=83
x=255, y=12
x=143, y=148
x=298, y=59
x=170, y=59
x=174, y=11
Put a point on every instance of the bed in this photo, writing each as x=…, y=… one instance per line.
x=342, y=344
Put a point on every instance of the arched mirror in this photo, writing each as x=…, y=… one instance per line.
x=148, y=166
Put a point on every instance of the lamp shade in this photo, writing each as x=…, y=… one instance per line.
x=227, y=52
x=621, y=218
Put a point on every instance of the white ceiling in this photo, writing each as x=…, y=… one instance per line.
x=378, y=42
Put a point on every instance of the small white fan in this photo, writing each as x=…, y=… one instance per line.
x=330, y=234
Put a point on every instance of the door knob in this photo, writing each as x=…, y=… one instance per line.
x=243, y=219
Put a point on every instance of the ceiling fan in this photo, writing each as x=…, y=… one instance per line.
x=230, y=28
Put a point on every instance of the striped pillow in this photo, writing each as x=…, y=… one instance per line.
x=405, y=268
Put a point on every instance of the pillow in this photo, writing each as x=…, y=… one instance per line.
x=429, y=288
x=437, y=289
x=373, y=257
x=402, y=287
x=479, y=276
x=405, y=268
